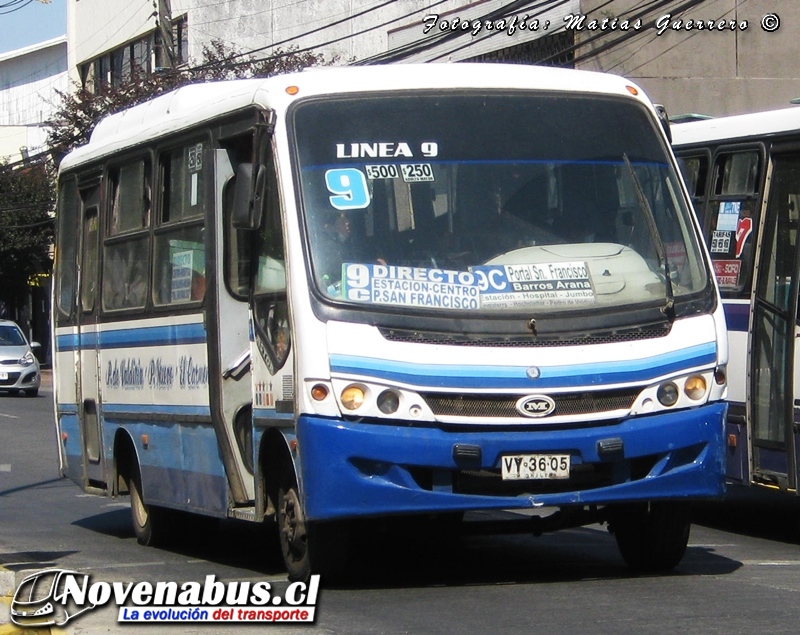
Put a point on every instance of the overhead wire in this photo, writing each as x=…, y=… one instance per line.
x=544, y=10
x=690, y=35
x=16, y=4
x=311, y=32
x=427, y=43
x=626, y=36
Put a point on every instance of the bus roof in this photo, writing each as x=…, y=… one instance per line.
x=195, y=103
x=756, y=124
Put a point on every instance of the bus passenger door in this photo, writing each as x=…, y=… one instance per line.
x=87, y=352
x=774, y=400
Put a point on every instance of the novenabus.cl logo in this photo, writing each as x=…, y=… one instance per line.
x=44, y=598
x=55, y=596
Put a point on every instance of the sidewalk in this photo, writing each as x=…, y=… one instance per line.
x=47, y=378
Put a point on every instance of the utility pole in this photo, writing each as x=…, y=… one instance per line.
x=164, y=41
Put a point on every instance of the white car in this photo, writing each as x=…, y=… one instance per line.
x=19, y=368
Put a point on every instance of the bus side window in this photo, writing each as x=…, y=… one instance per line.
x=694, y=170
x=180, y=256
x=733, y=218
x=125, y=269
x=126, y=253
x=237, y=241
x=130, y=197
x=89, y=259
x=270, y=307
x=68, y=206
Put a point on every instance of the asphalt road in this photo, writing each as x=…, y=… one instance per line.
x=741, y=573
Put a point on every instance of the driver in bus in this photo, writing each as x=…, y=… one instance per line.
x=338, y=244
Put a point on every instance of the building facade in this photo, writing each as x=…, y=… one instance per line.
x=714, y=57
x=29, y=79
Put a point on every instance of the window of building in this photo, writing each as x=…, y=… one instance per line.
x=141, y=56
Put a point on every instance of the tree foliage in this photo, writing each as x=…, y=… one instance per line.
x=80, y=111
x=27, y=199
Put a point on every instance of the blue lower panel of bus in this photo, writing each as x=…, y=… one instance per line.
x=180, y=464
x=359, y=469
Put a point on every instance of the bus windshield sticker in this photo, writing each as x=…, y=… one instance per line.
x=721, y=242
x=194, y=157
x=490, y=286
x=727, y=272
x=387, y=171
x=181, y=275
x=385, y=150
x=410, y=286
x=743, y=231
x=349, y=188
x=542, y=284
x=728, y=219
x=416, y=172
x=194, y=162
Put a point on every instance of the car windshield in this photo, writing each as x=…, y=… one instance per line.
x=493, y=203
x=11, y=336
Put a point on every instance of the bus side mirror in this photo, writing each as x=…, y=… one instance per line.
x=663, y=118
x=248, y=197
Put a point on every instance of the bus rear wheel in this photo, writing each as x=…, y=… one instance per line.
x=652, y=537
x=308, y=547
x=150, y=523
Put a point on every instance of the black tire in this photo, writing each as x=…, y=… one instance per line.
x=32, y=392
x=652, y=537
x=150, y=523
x=308, y=547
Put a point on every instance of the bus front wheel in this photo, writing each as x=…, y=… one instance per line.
x=308, y=547
x=652, y=536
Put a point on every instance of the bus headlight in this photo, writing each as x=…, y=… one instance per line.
x=353, y=397
x=668, y=394
x=695, y=387
x=388, y=402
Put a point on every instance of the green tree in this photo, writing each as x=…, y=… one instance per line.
x=27, y=199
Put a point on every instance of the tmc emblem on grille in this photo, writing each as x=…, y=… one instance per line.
x=535, y=406
x=533, y=372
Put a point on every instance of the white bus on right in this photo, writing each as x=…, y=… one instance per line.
x=743, y=173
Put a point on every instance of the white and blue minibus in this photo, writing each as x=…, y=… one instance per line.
x=743, y=173
x=411, y=290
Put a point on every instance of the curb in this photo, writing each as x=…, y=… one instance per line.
x=6, y=594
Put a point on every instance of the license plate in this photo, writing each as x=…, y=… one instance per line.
x=3, y=376
x=520, y=467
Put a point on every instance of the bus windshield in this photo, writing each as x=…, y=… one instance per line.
x=498, y=202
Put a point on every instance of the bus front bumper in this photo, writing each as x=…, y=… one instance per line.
x=351, y=469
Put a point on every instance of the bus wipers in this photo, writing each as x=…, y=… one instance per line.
x=669, y=308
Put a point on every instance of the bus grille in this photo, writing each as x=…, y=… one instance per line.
x=490, y=406
x=522, y=341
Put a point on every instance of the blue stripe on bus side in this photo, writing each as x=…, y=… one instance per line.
x=573, y=375
x=112, y=409
x=176, y=334
x=737, y=316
